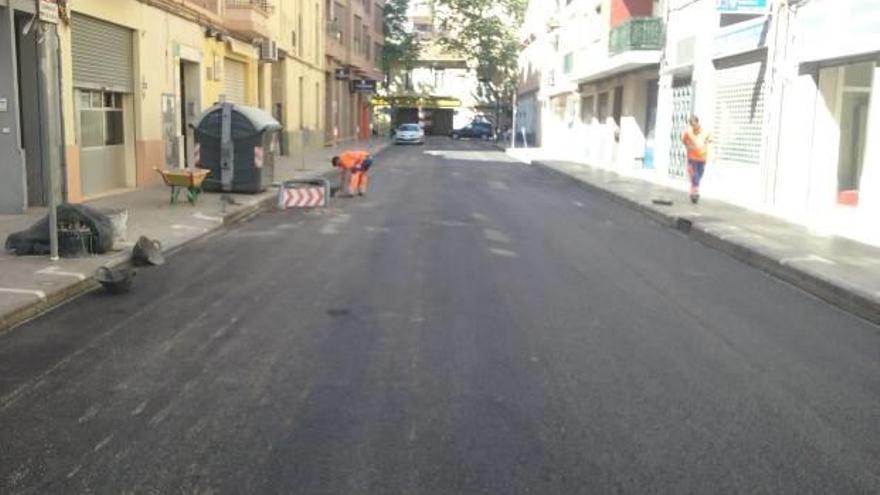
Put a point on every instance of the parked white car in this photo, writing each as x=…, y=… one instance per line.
x=409, y=134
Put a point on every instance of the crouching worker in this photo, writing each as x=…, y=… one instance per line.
x=355, y=165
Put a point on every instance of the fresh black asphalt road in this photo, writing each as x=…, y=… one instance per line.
x=472, y=326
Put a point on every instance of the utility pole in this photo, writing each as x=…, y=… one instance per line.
x=513, y=123
x=50, y=112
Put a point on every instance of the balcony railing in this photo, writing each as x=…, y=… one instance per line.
x=264, y=6
x=637, y=33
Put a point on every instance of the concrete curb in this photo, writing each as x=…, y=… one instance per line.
x=835, y=292
x=264, y=202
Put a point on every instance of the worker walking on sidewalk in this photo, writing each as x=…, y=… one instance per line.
x=696, y=140
x=354, y=166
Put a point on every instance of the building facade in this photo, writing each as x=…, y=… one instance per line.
x=787, y=88
x=135, y=74
x=354, y=41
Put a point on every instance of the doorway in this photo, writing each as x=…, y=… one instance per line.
x=29, y=108
x=189, y=108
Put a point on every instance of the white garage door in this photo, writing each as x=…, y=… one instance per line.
x=233, y=81
x=739, y=113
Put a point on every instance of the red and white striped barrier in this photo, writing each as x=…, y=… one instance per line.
x=303, y=193
x=304, y=197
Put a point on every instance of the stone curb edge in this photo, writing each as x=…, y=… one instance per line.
x=845, y=298
x=266, y=201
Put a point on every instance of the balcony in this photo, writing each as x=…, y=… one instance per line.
x=637, y=34
x=249, y=18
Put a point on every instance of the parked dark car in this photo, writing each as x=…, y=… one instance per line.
x=481, y=130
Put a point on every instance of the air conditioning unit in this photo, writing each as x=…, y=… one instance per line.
x=268, y=51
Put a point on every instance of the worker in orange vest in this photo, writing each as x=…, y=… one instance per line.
x=356, y=164
x=696, y=140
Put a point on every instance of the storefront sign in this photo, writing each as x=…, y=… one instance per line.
x=363, y=86
x=843, y=28
x=741, y=37
x=343, y=74
x=49, y=11
x=743, y=6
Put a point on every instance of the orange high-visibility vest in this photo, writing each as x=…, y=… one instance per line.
x=352, y=159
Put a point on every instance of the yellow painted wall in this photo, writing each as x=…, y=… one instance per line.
x=159, y=39
x=305, y=59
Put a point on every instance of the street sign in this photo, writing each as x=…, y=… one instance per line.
x=743, y=6
x=49, y=11
x=363, y=86
x=343, y=74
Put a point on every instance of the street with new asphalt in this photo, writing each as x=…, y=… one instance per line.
x=473, y=325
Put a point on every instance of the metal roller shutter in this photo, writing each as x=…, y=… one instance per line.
x=739, y=113
x=233, y=81
x=102, y=54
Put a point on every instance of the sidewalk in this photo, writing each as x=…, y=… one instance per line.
x=30, y=285
x=842, y=272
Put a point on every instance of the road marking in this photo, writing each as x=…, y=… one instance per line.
x=178, y=226
x=202, y=216
x=160, y=416
x=450, y=223
x=498, y=185
x=369, y=228
x=503, y=252
x=54, y=270
x=103, y=443
x=36, y=293
x=578, y=204
x=139, y=409
x=90, y=413
x=329, y=229
x=809, y=258
x=496, y=236
x=75, y=470
x=480, y=217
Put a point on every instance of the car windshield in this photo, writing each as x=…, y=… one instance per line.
x=409, y=127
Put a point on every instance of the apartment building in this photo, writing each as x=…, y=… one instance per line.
x=354, y=40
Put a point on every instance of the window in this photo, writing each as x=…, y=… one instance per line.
x=101, y=119
x=602, y=111
x=377, y=54
x=568, y=63
x=587, y=108
x=366, y=38
x=379, y=19
x=299, y=27
x=357, y=33
x=368, y=46
x=617, y=109
x=854, y=87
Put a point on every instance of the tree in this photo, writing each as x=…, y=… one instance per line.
x=401, y=48
x=485, y=31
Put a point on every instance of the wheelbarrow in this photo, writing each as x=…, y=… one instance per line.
x=188, y=179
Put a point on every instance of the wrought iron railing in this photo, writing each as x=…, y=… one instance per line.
x=637, y=33
x=264, y=6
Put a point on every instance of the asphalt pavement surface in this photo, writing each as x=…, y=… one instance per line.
x=471, y=326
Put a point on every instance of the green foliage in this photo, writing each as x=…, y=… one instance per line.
x=401, y=48
x=486, y=32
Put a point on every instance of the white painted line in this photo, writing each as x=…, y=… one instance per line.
x=177, y=226
x=54, y=270
x=202, y=216
x=36, y=293
x=503, y=252
x=103, y=443
x=496, y=236
x=807, y=259
x=480, y=217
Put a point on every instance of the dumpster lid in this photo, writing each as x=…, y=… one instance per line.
x=259, y=118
